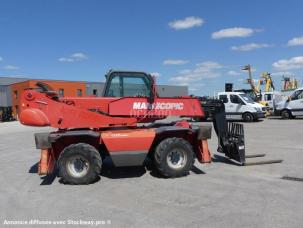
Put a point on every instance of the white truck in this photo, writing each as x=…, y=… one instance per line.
x=241, y=106
x=291, y=106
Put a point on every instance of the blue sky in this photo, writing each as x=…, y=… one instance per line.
x=202, y=44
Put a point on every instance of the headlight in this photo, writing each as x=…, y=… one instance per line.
x=258, y=109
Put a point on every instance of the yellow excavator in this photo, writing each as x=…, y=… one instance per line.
x=255, y=88
x=289, y=84
x=268, y=82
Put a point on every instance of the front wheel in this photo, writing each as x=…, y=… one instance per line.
x=248, y=117
x=286, y=114
x=174, y=157
x=79, y=164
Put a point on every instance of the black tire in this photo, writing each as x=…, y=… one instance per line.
x=88, y=155
x=286, y=114
x=166, y=150
x=248, y=117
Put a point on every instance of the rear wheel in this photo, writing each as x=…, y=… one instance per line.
x=79, y=164
x=174, y=157
x=286, y=114
x=248, y=117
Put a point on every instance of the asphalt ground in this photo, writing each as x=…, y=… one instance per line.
x=219, y=194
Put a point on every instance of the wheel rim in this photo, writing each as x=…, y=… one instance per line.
x=77, y=166
x=248, y=117
x=176, y=159
x=286, y=114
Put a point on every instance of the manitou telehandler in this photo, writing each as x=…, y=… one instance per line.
x=93, y=128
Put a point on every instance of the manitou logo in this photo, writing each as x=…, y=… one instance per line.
x=158, y=106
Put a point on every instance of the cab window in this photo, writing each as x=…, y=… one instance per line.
x=128, y=84
x=114, y=88
x=297, y=95
x=135, y=87
x=235, y=99
x=267, y=97
x=223, y=98
x=246, y=98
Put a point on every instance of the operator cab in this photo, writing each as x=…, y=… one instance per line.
x=129, y=84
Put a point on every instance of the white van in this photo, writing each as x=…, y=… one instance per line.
x=291, y=106
x=241, y=106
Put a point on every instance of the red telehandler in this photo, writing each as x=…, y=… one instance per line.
x=93, y=128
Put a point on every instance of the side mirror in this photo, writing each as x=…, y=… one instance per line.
x=288, y=99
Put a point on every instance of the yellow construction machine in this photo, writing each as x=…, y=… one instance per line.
x=255, y=88
x=268, y=82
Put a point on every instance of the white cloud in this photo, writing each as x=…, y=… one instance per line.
x=73, y=57
x=249, y=47
x=289, y=64
x=233, y=73
x=64, y=59
x=11, y=67
x=281, y=73
x=186, y=23
x=1, y=59
x=156, y=74
x=174, y=62
x=78, y=56
x=203, y=70
x=295, y=41
x=209, y=65
x=234, y=32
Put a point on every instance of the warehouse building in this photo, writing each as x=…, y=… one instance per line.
x=94, y=88
x=5, y=96
x=64, y=88
x=12, y=87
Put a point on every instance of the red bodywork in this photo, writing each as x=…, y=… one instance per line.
x=127, y=140
x=41, y=109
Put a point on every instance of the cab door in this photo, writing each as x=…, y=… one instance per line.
x=269, y=98
x=225, y=99
x=296, y=103
x=230, y=107
x=236, y=105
